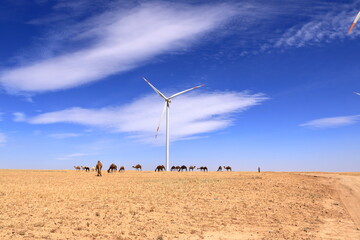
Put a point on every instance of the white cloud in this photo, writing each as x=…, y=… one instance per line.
x=119, y=40
x=19, y=117
x=332, y=122
x=2, y=139
x=190, y=115
x=64, y=135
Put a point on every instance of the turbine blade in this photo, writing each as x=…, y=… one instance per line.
x=354, y=22
x=357, y=93
x=177, y=94
x=158, y=92
x=162, y=114
x=351, y=28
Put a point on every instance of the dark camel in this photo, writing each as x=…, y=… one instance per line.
x=228, y=168
x=219, y=169
x=160, y=168
x=203, y=169
x=138, y=167
x=98, y=168
x=121, y=169
x=192, y=168
x=182, y=168
x=173, y=168
x=112, y=168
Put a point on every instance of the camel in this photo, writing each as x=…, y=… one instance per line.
x=219, y=169
x=87, y=169
x=192, y=168
x=228, y=168
x=177, y=168
x=112, y=168
x=77, y=168
x=173, y=168
x=98, y=168
x=138, y=167
x=121, y=169
x=160, y=168
x=182, y=168
x=203, y=169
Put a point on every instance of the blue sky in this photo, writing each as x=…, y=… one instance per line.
x=279, y=80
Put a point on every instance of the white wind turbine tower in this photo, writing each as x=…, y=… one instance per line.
x=167, y=107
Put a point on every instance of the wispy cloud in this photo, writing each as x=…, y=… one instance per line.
x=332, y=122
x=330, y=24
x=64, y=135
x=191, y=115
x=117, y=41
x=19, y=117
x=327, y=29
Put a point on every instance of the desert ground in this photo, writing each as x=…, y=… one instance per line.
x=69, y=204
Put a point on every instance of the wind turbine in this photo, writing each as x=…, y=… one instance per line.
x=354, y=22
x=167, y=108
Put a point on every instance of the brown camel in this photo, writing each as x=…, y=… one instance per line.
x=160, y=168
x=77, y=168
x=203, y=169
x=177, y=168
x=121, y=169
x=228, y=168
x=98, y=168
x=173, y=168
x=138, y=167
x=112, y=168
x=182, y=168
x=192, y=168
x=219, y=169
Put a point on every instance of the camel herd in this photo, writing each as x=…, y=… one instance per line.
x=228, y=168
x=159, y=168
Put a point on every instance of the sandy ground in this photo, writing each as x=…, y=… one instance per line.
x=347, y=186
x=172, y=205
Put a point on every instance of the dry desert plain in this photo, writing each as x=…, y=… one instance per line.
x=69, y=204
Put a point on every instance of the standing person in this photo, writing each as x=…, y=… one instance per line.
x=258, y=169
